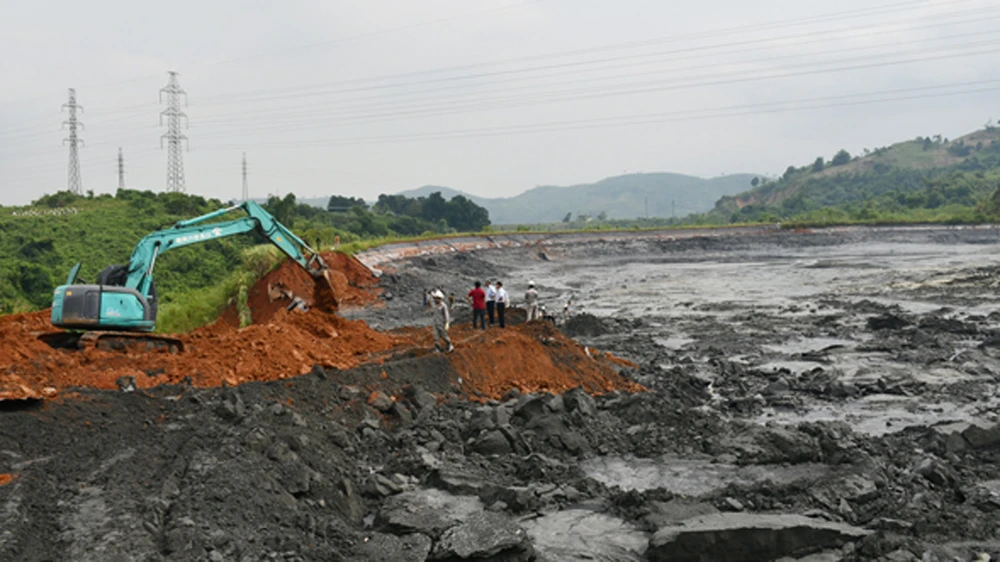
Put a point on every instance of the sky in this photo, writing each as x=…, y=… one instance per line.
x=493, y=97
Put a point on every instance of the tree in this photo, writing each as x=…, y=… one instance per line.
x=788, y=172
x=568, y=217
x=341, y=204
x=818, y=164
x=283, y=209
x=602, y=216
x=841, y=158
x=755, y=182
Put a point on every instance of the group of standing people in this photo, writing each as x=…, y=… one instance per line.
x=490, y=302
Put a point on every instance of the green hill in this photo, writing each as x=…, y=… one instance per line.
x=39, y=244
x=619, y=197
x=928, y=178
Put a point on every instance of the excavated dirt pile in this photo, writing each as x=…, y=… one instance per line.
x=353, y=285
x=290, y=343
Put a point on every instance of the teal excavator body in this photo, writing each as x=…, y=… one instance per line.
x=124, y=299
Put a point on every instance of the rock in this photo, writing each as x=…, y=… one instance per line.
x=501, y=415
x=430, y=512
x=294, y=477
x=380, y=401
x=485, y=536
x=126, y=384
x=936, y=472
x=556, y=403
x=482, y=418
x=390, y=548
x=662, y=514
x=458, y=479
x=421, y=399
x=984, y=495
x=231, y=408
x=492, y=443
x=955, y=443
x=403, y=413
x=980, y=438
x=895, y=525
x=380, y=485
x=733, y=504
x=887, y=321
x=529, y=406
x=779, y=386
x=574, y=442
x=577, y=400
x=584, y=534
x=901, y=555
x=856, y=488
x=732, y=537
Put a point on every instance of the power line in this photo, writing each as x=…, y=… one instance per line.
x=277, y=52
x=884, y=96
x=867, y=12
x=74, y=182
x=737, y=30
x=452, y=102
x=173, y=136
x=575, y=95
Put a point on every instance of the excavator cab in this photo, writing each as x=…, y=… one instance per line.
x=106, y=303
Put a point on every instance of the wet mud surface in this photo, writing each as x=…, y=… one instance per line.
x=820, y=396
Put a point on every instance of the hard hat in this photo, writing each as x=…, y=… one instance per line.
x=531, y=283
x=437, y=295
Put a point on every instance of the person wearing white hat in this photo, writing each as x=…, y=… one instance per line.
x=531, y=301
x=442, y=321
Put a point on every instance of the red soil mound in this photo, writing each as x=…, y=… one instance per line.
x=6, y=478
x=530, y=357
x=353, y=284
x=281, y=344
x=289, y=345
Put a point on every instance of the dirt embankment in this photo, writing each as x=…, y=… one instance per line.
x=353, y=284
x=282, y=344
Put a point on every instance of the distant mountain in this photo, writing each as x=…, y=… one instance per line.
x=924, y=173
x=620, y=197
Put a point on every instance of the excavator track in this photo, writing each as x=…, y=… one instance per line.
x=125, y=342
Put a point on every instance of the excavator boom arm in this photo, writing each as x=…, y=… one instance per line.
x=198, y=229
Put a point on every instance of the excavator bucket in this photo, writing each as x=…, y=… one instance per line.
x=324, y=292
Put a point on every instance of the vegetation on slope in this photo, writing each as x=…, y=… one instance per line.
x=39, y=244
x=927, y=179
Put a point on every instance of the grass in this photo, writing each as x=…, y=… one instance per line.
x=193, y=309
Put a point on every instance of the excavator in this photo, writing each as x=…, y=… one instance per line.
x=118, y=311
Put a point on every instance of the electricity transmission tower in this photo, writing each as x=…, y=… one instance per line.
x=246, y=190
x=74, y=183
x=121, y=169
x=173, y=136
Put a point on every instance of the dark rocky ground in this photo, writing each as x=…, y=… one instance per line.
x=839, y=427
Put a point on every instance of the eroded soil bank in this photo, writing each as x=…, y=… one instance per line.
x=826, y=394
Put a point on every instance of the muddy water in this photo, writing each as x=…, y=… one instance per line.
x=690, y=477
x=768, y=293
x=654, y=286
x=585, y=534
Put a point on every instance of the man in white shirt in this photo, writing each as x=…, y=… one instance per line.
x=531, y=301
x=491, y=300
x=501, y=303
